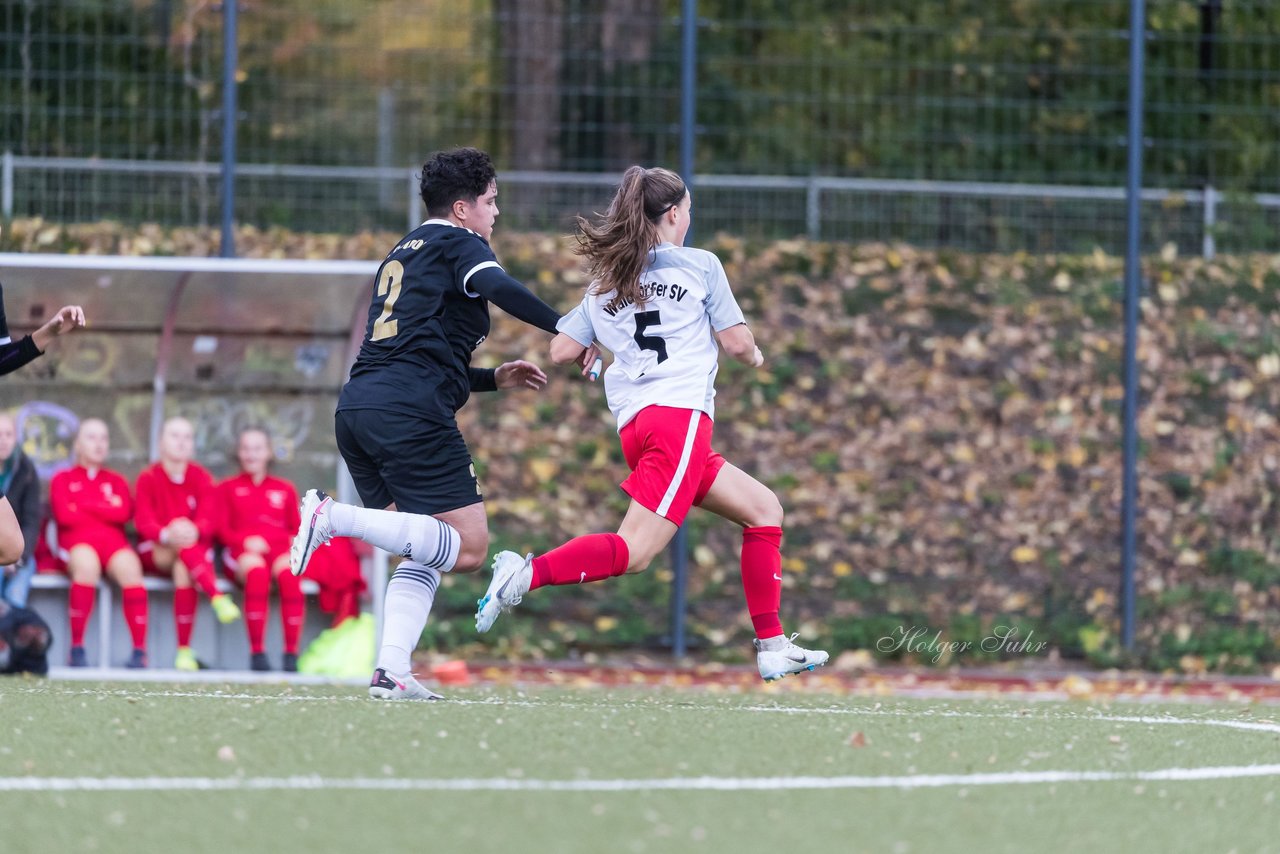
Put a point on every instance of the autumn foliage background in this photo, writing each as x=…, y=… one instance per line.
x=943, y=430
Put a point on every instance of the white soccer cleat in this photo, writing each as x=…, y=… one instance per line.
x=512, y=576
x=387, y=686
x=313, y=532
x=778, y=657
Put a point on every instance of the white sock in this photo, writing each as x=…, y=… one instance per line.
x=410, y=594
x=424, y=539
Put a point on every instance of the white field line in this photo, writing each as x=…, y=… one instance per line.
x=678, y=784
x=231, y=677
x=1028, y=715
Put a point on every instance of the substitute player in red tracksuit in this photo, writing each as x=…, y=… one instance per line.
x=255, y=515
x=91, y=505
x=168, y=495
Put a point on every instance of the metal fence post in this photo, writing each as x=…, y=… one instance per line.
x=386, y=142
x=812, y=212
x=1210, y=221
x=1132, y=293
x=6, y=185
x=688, y=94
x=411, y=209
x=229, y=62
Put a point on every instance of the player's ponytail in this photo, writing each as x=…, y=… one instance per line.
x=617, y=249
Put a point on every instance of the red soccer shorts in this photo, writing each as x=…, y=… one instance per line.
x=671, y=459
x=105, y=542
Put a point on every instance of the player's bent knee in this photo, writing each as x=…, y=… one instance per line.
x=125, y=567
x=469, y=560
x=473, y=552
x=83, y=565
x=639, y=558
x=767, y=512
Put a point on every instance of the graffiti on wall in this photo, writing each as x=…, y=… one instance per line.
x=47, y=430
x=218, y=422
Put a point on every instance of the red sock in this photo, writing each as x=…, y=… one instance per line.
x=184, y=613
x=134, y=602
x=257, y=585
x=582, y=559
x=292, y=604
x=196, y=560
x=80, y=601
x=762, y=578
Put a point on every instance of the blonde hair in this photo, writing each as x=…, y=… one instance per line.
x=617, y=249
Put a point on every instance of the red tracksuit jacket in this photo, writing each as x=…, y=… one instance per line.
x=159, y=500
x=241, y=509
x=85, y=504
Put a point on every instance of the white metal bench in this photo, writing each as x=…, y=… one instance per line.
x=219, y=645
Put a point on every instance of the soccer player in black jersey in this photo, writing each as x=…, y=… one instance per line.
x=395, y=422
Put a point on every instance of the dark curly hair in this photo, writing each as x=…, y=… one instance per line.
x=447, y=176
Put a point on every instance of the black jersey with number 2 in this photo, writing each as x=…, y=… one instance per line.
x=424, y=322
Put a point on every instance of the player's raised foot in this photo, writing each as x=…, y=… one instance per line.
x=224, y=608
x=137, y=660
x=186, y=659
x=258, y=661
x=779, y=656
x=512, y=576
x=77, y=657
x=388, y=686
x=314, y=530
x=289, y=662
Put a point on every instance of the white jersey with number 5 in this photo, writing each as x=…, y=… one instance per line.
x=665, y=352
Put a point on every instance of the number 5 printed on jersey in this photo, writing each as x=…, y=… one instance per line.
x=645, y=319
x=389, y=282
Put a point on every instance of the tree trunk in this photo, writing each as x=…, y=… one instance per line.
x=532, y=48
x=628, y=30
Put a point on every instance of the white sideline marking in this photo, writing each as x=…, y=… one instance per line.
x=678, y=784
x=1254, y=726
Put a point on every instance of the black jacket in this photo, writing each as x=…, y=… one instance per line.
x=24, y=494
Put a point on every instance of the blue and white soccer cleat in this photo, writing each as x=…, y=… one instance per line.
x=387, y=686
x=313, y=531
x=512, y=576
x=778, y=657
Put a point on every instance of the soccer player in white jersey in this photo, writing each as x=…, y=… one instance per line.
x=661, y=308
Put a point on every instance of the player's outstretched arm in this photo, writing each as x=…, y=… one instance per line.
x=68, y=318
x=514, y=298
x=565, y=350
x=15, y=354
x=740, y=344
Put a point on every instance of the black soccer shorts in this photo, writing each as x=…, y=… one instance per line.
x=423, y=466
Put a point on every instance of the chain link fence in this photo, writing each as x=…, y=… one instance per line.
x=1008, y=92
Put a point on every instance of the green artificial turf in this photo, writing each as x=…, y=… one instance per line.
x=190, y=736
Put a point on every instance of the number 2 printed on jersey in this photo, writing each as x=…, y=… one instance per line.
x=389, y=281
